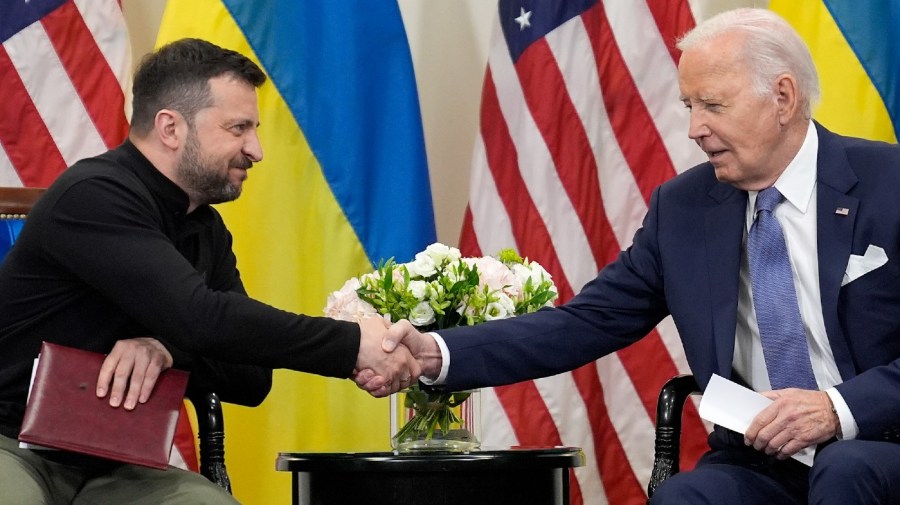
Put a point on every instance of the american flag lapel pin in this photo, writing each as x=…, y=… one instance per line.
x=842, y=211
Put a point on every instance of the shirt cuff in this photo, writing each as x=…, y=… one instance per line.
x=445, y=363
x=849, y=428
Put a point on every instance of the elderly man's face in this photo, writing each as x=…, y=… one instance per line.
x=736, y=128
x=222, y=145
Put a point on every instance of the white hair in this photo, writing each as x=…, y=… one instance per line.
x=772, y=48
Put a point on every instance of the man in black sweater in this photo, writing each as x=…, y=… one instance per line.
x=124, y=255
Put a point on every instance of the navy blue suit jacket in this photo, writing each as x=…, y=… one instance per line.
x=685, y=261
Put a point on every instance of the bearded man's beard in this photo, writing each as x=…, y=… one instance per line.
x=201, y=180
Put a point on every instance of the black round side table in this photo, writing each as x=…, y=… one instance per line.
x=510, y=476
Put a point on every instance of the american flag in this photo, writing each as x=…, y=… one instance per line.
x=580, y=121
x=65, y=70
x=65, y=85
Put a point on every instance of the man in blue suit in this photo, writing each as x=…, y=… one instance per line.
x=750, y=84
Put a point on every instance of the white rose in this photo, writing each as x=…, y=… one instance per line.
x=422, y=266
x=418, y=289
x=421, y=315
x=442, y=254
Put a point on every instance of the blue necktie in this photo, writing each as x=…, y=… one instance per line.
x=775, y=299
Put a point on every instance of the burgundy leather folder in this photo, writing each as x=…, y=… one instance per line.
x=63, y=411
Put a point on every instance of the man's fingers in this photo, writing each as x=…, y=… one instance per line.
x=754, y=436
x=362, y=377
x=381, y=392
x=120, y=383
x=135, y=385
x=115, y=373
x=130, y=371
x=394, y=336
x=147, y=385
x=106, y=374
x=777, y=445
x=414, y=369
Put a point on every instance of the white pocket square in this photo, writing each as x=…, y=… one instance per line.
x=858, y=266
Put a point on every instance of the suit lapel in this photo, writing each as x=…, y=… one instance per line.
x=724, y=224
x=835, y=235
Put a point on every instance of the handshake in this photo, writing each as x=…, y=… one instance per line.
x=391, y=357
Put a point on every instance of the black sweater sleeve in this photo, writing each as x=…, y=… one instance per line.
x=234, y=383
x=107, y=235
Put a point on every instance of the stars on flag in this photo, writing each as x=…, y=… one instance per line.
x=524, y=19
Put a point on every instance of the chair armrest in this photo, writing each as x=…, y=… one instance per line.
x=668, y=428
x=211, y=427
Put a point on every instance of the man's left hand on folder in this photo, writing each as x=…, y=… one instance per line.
x=131, y=369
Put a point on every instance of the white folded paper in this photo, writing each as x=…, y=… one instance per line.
x=733, y=406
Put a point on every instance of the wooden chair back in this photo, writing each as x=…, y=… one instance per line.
x=15, y=203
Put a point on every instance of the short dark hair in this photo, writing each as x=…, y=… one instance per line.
x=176, y=76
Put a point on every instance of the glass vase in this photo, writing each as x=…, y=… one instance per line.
x=424, y=420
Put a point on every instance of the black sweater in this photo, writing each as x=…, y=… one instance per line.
x=109, y=253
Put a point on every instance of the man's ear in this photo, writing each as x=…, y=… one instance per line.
x=170, y=128
x=787, y=97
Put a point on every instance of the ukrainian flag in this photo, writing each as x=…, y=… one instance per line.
x=343, y=184
x=856, y=47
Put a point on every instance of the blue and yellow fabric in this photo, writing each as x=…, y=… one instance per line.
x=343, y=185
x=10, y=227
x=856, y=47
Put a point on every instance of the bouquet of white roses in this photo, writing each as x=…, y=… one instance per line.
x=441, y=289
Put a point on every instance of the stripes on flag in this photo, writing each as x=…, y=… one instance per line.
x=65, y=76
x=580, y=121
x=64, y=95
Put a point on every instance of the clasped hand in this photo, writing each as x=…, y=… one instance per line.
x=402, y=344
x=796, y=419
x=381, y=371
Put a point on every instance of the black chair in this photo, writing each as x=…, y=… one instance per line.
x=211, y=428
x=15, y=203
x=668, y=428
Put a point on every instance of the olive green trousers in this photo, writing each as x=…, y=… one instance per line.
x=28, y=478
